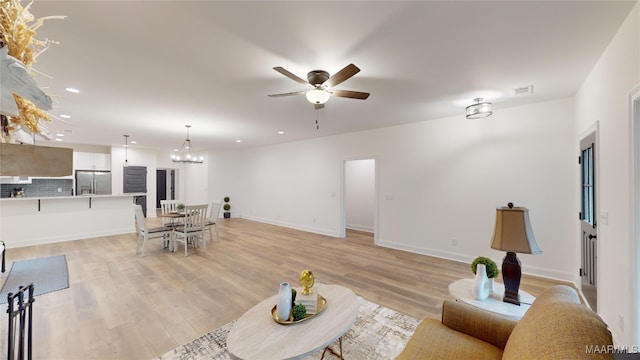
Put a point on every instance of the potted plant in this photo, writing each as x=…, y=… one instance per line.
x=492, y=268
x=226, y=207
x=180, y=207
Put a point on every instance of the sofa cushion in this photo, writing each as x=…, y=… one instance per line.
x=433, y=340
x=557, y=326
x=478, y=323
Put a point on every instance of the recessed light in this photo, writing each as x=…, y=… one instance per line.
x=134, y=142
x=176, y=150
x=65, y=116
x=238, y=141
x=281, y=132
x=72, y=90
x=61, y=135
x=58, y=139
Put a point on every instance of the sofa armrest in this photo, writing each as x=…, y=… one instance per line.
x=481, y=324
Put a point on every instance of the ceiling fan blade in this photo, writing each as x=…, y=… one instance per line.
x=290, y=75
x=319, y=106
x=342, y=75
x=287, y=94
x=350, y=94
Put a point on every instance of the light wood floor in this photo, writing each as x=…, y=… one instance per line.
x=123, y=306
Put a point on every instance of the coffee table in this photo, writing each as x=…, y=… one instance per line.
x=255, y=335
x=461, y=290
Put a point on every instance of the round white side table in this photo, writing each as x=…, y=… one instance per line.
x=461, y=290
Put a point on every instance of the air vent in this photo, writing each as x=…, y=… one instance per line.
x=523, y=90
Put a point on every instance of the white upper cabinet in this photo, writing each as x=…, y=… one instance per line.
x=91, y=161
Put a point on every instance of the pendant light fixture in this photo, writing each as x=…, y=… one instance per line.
x=126, y=147
x=479, y=110
x=184, y=154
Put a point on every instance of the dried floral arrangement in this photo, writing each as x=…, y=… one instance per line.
x=17, y=31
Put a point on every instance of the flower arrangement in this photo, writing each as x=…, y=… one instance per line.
x=17, y=31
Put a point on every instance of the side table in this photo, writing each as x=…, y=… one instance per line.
x=461, y=290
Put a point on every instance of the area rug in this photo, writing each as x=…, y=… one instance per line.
x=47, y=274
x=378, y=333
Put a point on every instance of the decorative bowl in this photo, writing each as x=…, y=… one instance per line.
x=322, y=303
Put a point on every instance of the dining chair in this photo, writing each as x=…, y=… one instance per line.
x=192, y=229
x=213, y=218
x=145, y=233
x=168, y=206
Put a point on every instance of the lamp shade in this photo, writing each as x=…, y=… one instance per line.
x=318, y=96
x=513, y=232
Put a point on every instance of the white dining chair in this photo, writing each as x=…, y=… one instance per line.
x=145, y=233
x=192, y=230
x=166, y=207
x=214, y=213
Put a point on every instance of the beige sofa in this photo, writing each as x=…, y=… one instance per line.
x=556, y=326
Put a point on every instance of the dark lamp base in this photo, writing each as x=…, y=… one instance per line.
x=511, y=274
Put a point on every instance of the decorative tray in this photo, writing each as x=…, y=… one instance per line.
x=322, y=303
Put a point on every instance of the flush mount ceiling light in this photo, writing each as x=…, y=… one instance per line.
x=184, y=155
x=318, y=96
x=479, y=110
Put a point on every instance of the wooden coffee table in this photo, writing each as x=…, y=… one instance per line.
x=255, y=335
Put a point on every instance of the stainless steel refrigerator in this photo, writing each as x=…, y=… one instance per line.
x=93, y=182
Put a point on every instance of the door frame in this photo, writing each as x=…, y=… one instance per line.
x=343, y=202
x=634, y=220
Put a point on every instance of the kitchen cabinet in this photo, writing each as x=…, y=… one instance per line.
x=15, y=180
x=91, y=161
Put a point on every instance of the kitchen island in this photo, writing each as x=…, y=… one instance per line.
x=41, y=220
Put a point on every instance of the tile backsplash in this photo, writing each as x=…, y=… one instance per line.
x=40, y=188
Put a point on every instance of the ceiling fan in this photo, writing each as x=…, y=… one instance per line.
x=320, y=85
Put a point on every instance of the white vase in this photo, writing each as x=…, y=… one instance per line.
x=481, y=287
x=492, y=285
x=283, y=307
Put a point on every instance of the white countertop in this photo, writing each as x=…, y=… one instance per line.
x=70, y=197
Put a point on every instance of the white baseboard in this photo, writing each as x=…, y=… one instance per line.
x=529, y=270
x=363, y=228
x=314, y=230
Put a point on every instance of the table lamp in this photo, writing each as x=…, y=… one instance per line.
x=513, y=234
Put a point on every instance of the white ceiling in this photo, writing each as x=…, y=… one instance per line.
x=148, y=68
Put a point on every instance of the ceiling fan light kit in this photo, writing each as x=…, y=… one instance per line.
x=479, y=110
x=318, y=96
x=188, y=158
x=320, y=83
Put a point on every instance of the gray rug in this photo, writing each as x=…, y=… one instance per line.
x=47, y=274
x=378, y=333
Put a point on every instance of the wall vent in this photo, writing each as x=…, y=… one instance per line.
x=523, y=90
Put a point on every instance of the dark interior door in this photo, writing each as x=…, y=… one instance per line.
x=588, y=223
x=161, y=186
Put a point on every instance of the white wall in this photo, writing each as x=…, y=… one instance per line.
x=438, y=180
x=360, y=194
x=603, y=98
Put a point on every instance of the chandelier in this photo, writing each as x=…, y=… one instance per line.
x=184, y=154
